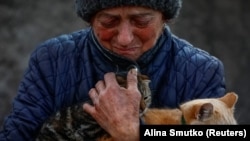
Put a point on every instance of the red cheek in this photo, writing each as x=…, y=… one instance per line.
x=105, y=34
x=146, y=34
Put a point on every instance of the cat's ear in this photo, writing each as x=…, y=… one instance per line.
x=229, y=99
x=204, y=111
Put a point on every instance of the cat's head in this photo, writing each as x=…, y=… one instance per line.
x=211, y=110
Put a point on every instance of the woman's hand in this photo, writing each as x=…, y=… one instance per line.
x=116, y=108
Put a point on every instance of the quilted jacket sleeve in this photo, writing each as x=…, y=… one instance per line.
x=32, y=104
x=35, y=99
x=211, y=81
x=205, y=75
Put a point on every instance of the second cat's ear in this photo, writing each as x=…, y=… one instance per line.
x=204, y=111
x=230, y=99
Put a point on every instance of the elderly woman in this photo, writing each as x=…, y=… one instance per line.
x=75, y=67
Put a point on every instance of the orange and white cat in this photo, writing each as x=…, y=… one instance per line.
x=209, y=111
x=206, y=111
x=199, y=111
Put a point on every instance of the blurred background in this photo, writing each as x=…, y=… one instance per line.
x=221, y=27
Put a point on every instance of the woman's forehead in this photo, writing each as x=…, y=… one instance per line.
x=128, y=10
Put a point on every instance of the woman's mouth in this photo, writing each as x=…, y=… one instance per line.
x=125, y=51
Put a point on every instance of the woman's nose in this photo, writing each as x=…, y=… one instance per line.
x=125, y=34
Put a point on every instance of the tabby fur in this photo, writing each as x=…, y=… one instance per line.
x=74, y=124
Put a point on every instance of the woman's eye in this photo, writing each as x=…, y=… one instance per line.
x=108, y=24
x=141, y=23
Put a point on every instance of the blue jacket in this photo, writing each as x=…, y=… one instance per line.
x=62, y=70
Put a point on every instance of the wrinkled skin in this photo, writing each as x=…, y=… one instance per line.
x=128, y=31
x=119, y=114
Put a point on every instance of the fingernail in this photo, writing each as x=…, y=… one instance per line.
x=134, y=71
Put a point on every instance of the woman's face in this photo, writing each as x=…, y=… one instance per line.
x=128, y=31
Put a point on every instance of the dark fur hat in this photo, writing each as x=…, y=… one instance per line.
x=86, y=9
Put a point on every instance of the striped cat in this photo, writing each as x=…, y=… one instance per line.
x=73, y=124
